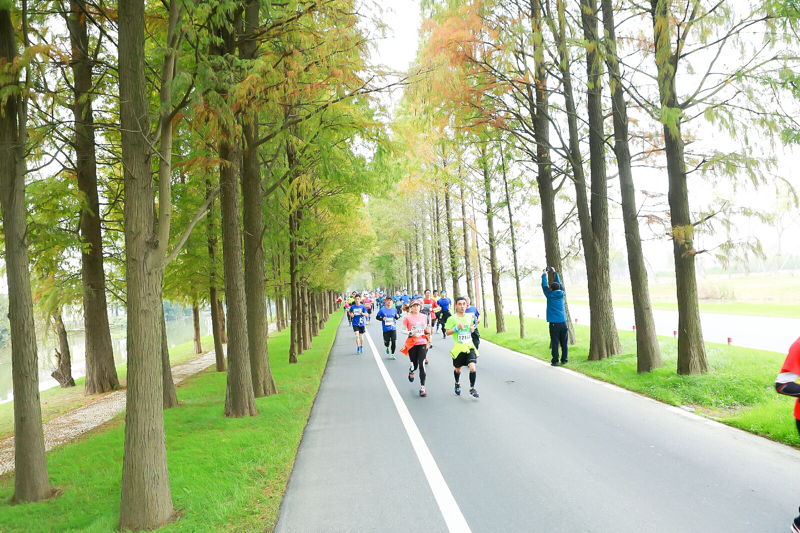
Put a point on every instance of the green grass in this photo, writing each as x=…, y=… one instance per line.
x=738, y=390
x=225, y=474
x=58, y=401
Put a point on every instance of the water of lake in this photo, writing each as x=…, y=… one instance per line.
x=178, y=332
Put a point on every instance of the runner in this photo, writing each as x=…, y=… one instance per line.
x=476, y=337
x=428, y=305
x=405, y=297
x=464, y=353
x=437, y=313
x=357, y=313
x=368, y=304
x=417, y=325
x=444, y=311
x=389, y=316
x=347, y=312
x=786, y=384
x=398, y=304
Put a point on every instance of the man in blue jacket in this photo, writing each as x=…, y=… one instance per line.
x=556, y=316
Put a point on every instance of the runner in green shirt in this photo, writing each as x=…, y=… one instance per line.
x=461, y=325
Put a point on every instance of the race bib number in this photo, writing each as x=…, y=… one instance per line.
x=388, y=321
x=417, y=330
x=464, y=337
x=356, y=312
x=427, y=308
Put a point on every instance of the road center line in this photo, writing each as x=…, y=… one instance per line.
x=456, y=523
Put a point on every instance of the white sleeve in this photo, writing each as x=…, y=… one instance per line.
x=786, y=377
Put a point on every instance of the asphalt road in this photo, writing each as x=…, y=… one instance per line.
x=542, y=450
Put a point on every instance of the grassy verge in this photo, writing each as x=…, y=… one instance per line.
x=225, y=474
x=738, y=390
x=58, y=401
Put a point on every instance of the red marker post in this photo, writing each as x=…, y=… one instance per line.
x=675, y=334
x=730, y=340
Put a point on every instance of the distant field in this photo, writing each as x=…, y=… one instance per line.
x=753, y=296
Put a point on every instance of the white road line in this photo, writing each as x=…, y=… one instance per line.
x=456, y=523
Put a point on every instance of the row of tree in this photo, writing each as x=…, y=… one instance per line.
x=555, y=103
x=134, y=136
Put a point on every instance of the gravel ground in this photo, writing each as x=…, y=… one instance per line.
x=77, y=422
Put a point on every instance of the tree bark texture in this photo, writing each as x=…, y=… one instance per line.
x=31, y=481
x=438, y=232
x=198, y=345
x=216, y=320
x=691, y=350
x=223, y=326
x=603, y=340
x=500, y=320
x=452, y=248
x=101, y=372
x=239, y=398
x=513, y=245
x=480, y=272
x=417, y=258
x=648, y=352
x=169, y=395
x=63, y=373
x=146, y=499
x=544, y=176
x=255, y=266
x=467, y=262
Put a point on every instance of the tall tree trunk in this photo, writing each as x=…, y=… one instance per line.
x=146, y=501
x=691, y=350
x=217, y=326
x=426, y=263
x=223, y=326
x=604, y=340
x=63, y=373
x=198, y=345
x=295, y=325
x=513, y=244
x=239, y=396
x=31, y=482
x=544, y=177
x=648, y=352
x=467, y=262
x=480, y=272
x=170, y=397
x=451, y=242
x=440, y=263
x=255, y=267
x=500, y=320
x=417, y=257
x=101, y=373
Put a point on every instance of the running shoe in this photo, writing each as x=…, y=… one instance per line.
x=411, y=376
x=458, y=389
x=422, y=391
x=392, y=357
x=387, y=351
x=473, y=393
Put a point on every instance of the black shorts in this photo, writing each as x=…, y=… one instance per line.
x=465, y=358
x=359, y=329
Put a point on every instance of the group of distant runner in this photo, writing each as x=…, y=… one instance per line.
x=421, y=315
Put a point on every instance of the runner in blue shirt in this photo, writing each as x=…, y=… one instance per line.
x=398, y=303
x=444, y=311
x=476, y=337
x=389, y=315
x=358, y=313
x=405, y=297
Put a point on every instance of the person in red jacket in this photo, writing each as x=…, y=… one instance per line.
x=786, y=384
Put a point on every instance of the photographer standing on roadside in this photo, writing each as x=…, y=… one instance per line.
x=556, y=316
